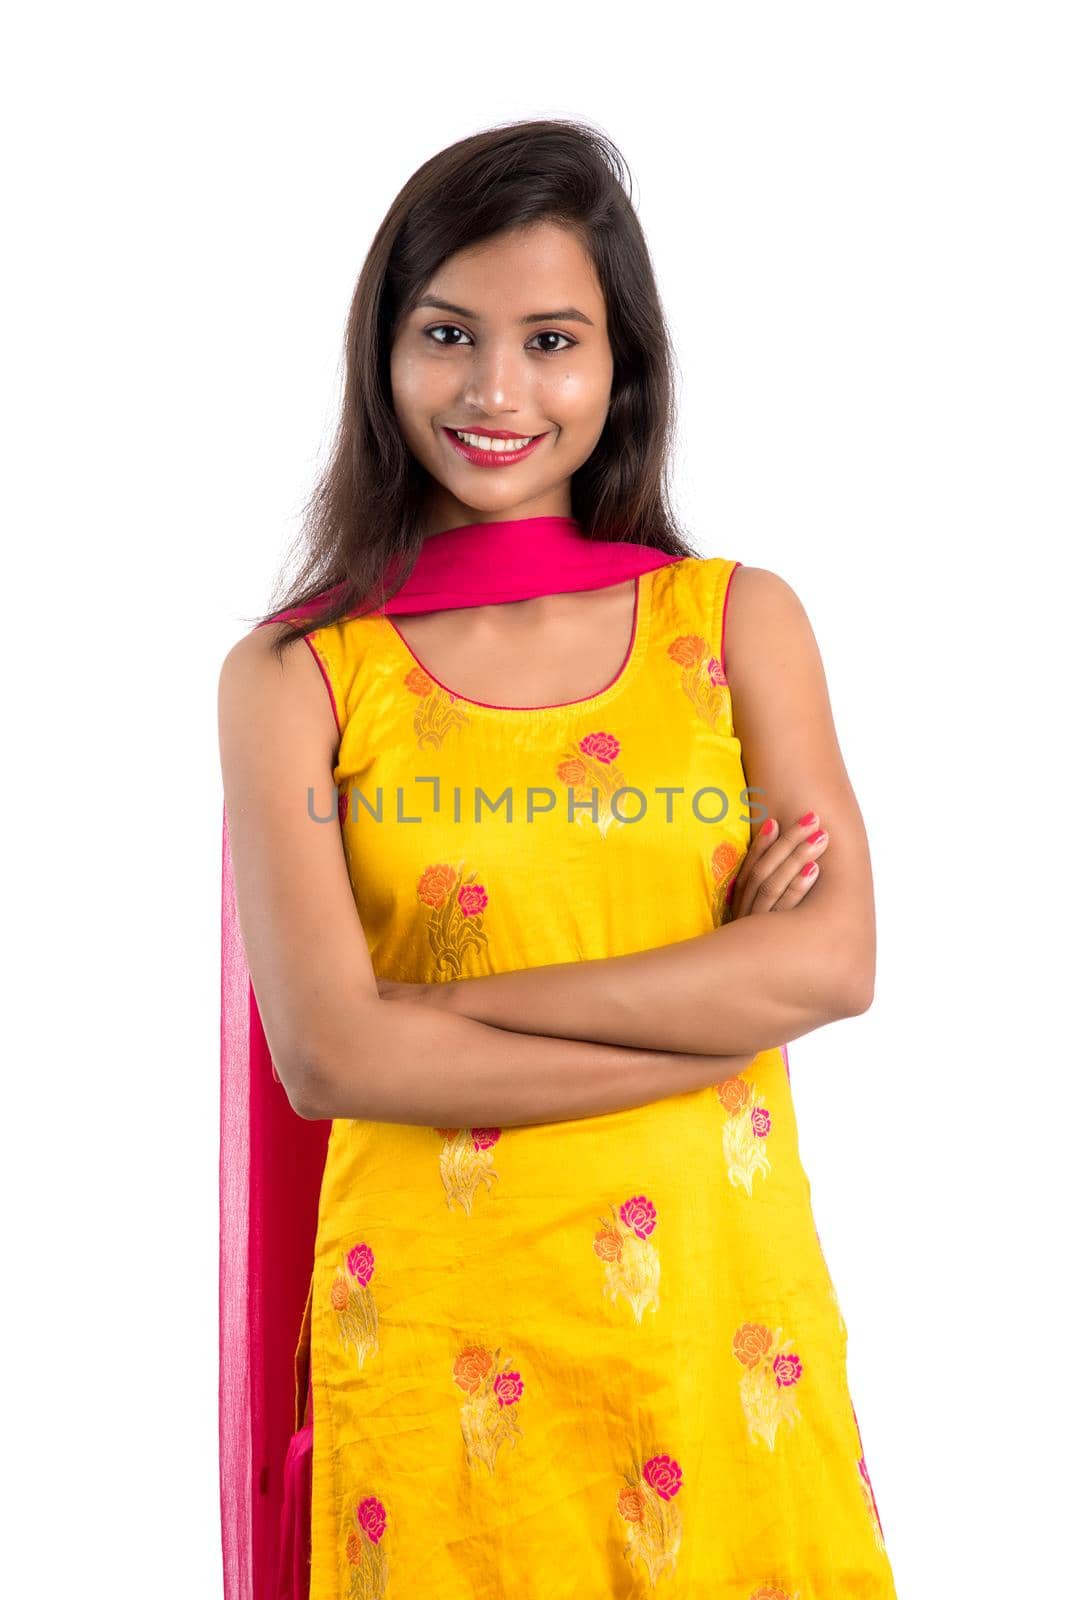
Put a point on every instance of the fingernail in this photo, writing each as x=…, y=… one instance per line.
x=814, y=838
x=807, y=820
x=768, y=826
x=807, y=871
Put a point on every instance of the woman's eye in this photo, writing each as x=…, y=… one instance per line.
x=450, y=327
x=445, y=327
x=566, y=346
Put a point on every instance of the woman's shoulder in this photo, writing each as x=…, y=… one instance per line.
x=269, y=685
x=763, y=609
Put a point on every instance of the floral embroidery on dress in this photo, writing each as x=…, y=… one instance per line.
x=466, y=1160
x=724, y=864
x=647, y=1503
x=365, y=1555
x=455, y=922
x=631, y=1262
x=745, y=1132
x=353, y=1300
x=769, y=1383
x=704, y=680
x=488, y=1416
x=589, y=769
x=437, y=710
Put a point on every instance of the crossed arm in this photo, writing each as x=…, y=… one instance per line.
x=761, y=980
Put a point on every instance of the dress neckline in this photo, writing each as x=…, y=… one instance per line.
x=627, y=672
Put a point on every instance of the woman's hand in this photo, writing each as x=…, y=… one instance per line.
x=771, y=878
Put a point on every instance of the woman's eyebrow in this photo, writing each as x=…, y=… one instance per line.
x=568, y=314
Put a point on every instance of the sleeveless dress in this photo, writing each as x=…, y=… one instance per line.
x=594, y=1358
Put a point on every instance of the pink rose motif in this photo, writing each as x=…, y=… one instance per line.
x=472, y=899
x=485, y=1138
x=603, y=746
x=716, y=672
x=639, y=1214
x=761, y=1120
x=787, y=1370
x=507, y=1386
x=361, y=1263
x=372, y=1518
x=663, y=1474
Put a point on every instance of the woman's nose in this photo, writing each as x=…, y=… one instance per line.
x=495, y=379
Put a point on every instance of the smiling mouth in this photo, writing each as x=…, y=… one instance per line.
x=495, y=435
x=495, y=451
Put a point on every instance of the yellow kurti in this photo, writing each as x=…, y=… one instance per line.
x=592, y=1358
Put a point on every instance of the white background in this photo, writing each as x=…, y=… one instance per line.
x=857, y=219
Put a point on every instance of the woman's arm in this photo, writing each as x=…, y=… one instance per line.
x=340, y=1050
x=762, y=980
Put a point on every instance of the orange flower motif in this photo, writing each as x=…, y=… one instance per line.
x=454, y=925
x=339, y=1294
x=609, y=1244
x=746, y=1132
x=419, y=682
x=703, y=680
x=471, y=1367
x=435, y=884
x=769, y=1384
x=725, y=862
x=688, y=649
x=354, y=1549
x=631, y=1260
x=734, y=1094
x=588, y=768
x=630, y=1505
x=752, y=1343
x=489, y=1417
x=437, y=711
x=649, y=1506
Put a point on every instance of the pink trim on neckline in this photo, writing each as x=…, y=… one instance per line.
x=559, y=705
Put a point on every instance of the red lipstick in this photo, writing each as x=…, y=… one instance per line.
x=492, y=458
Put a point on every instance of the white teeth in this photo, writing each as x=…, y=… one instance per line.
x=479, y=441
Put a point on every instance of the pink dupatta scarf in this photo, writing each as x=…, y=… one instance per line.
x=271, y=1160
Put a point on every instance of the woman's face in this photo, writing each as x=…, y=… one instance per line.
x=509, y=336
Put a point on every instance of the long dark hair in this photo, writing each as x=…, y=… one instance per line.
x=362, y=522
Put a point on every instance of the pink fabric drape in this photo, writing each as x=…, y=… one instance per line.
x=270, y=1172
x=271, y=1161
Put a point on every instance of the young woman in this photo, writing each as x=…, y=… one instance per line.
x=521, y=1289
